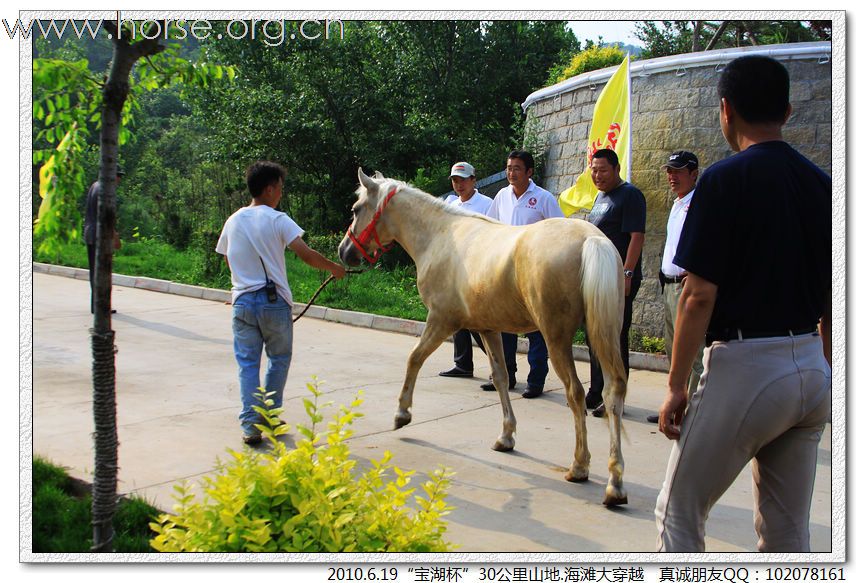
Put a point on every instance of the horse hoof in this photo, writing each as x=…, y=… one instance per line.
x=615, y=495
x=401, y=420
x=576, y=477
x=503, y=445
x=610, y=500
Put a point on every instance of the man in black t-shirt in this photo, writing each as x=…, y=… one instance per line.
x=620, y=212
x=757, y=247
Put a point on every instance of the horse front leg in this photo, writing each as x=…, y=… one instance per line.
x=433, y=335
x=496, y=354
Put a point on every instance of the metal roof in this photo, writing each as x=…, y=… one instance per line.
x=819, y=50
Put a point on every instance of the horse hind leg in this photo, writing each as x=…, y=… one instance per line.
x=431, y=338
x=496, y=354
x=615, y=386
x=603, y=292
x=562, y=359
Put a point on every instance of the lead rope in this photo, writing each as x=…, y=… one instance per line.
x=320, y=288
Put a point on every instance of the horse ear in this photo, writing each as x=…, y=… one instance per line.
x=366, y=181
x=378, y=175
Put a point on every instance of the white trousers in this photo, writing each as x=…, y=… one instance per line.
x=765, y=400
x=672, y=293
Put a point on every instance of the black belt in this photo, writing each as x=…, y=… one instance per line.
x=668, y=280
x=738, y=334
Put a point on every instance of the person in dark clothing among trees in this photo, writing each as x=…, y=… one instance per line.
x=90, y=218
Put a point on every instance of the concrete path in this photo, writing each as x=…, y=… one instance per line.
x=178, y=400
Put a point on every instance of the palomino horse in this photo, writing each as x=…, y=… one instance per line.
x=474, y=272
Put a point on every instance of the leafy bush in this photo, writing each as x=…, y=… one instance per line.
x=307, y=499
x=652, y=344
x=326, y=244
x=535, y=142
x=639, y=341
x=593, y=58
x=435, y=181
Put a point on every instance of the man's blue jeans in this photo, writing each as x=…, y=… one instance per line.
x=537, y=357
x=259, y=324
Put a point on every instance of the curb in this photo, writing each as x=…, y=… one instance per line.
x=638, y=360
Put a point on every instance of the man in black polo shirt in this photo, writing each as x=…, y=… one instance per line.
x=620, y=212
x=757, y=248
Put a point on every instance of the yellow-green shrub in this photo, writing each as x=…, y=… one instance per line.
x=652, y=344
x=307, y=499
x=593, y=58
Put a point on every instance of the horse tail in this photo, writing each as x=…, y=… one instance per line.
x=604, y=303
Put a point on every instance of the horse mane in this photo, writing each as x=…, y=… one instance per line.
x=426, y=198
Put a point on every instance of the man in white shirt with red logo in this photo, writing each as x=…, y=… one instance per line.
x=682, y=172
x=523, y=202
x=253, y=241
x=467, y=198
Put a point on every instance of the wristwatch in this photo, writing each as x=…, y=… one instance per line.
x=629, y=273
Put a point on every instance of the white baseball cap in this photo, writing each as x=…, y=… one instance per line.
x=463, y=169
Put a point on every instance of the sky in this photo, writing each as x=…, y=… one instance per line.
x=612, y=31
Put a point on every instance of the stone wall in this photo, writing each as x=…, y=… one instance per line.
x=675, y=109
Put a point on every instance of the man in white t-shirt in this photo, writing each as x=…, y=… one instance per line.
x=523, y=202
x=253, y=242
x=468, y=198
x=682, y=170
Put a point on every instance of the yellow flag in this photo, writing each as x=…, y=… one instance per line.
x=610, y=129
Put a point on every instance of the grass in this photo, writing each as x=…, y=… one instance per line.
x=144, y=258
x=61, y=516
x=377, y=291
x=385, y=291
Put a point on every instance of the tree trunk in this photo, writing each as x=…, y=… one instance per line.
x=695, y=42
x=114, y=95
x=717, y=36
x=102, y=336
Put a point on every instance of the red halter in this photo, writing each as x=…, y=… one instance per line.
x=370, y=231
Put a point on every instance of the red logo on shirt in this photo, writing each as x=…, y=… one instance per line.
x=532, y=202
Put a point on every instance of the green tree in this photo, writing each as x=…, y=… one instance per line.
x=68, y=99
x=672, y=37
x=667, y=38
x=407, y=98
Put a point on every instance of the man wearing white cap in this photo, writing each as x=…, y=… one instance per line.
x=468, y=198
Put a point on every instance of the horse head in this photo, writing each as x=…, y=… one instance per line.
x=367, y=236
